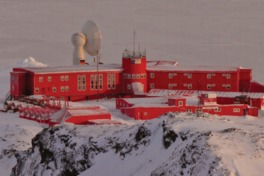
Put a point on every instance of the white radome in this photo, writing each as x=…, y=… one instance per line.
x=89, y=40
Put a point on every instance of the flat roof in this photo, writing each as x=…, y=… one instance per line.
x=75, y=68
x=190, y=68
x=166, y=92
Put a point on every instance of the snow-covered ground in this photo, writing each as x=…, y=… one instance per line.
x=191, y=32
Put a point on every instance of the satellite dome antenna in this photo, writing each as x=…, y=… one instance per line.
x=89, y=40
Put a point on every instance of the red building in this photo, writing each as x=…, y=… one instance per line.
x=153, y=107
x=135, y=77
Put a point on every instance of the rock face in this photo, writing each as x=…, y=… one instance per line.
x=171, y=145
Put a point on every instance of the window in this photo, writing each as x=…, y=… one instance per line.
x=145, y=113
x=92, y=82
x=152, y=75
x=152, y=85
x=236, y=110
x=217, y=109
x=227, y=75
x=100, y=81
x=128, y=76
x=62, y=88
x=198, y=110
x=189, y=110
x=49, y=78
x=66, y=77
x=180, y=103
x=189, y=86
x=66, y=88
x=40, y=79
x=188, y=75
x=129, y=87
x=210, y=75
x=170, y=76
x=54, y=89
x=227, y=86
x=138, y=76
x=209, y=86
x=171, y=85
x=81, y=82
x=62, y=78
x=36, y=90
x=111, y=81
x=12, y=78
x=143, y=75
x=133, y=76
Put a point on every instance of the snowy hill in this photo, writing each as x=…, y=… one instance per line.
x=176, y=144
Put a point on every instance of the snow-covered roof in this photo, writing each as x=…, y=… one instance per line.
x=147, y=100
x=176, y=67
x=165, y=92
x=75, y=68
x=84, y=112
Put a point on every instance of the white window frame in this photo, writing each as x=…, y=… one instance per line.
x=49, y=78
x=62, y=78
x=66, y=78
x=217, y=109
x=81, y=82
x=129, y=87
x=66, y=88
x=152, y=75
x=54, y=89
x=180, y=103
x=101, y=81
x=37, y=90
x=236, y=109
x=62, y=88
x=41, y=79
x=152, y=85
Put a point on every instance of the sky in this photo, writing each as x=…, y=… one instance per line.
x=192, y=32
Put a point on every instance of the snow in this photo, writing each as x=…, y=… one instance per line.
x=204, y=32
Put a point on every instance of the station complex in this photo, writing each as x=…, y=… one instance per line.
x=147, y=89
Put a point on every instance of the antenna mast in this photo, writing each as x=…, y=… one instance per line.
x=134, y=42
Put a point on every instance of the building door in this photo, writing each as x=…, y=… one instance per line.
x=244, y=112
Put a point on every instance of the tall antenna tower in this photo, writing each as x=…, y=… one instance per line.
x=134, y=42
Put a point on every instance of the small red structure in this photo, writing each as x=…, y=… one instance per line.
x=206, y=103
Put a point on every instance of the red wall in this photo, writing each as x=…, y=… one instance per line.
x=134, y=66
x=198, y=79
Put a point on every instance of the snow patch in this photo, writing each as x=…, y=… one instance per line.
x=30, y=62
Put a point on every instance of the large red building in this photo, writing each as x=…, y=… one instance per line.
x=135, y=77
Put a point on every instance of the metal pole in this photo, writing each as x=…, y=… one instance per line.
x=97, y=79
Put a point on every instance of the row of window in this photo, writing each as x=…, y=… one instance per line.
x=189, y=86
x=96, y=82
x=140, y=76
x=49, y=78
x=135, y=76
x=54, y=89
x=189, y=75
x=217, y=109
